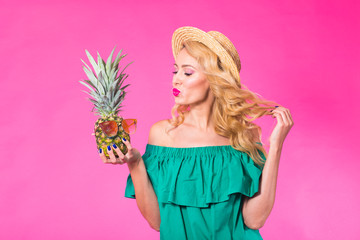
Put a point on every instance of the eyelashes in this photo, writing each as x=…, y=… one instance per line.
x=187, y=74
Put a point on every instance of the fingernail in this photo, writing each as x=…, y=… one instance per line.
x=100, y=150
x=124, y=139
x=114, y=146
x=109, y=147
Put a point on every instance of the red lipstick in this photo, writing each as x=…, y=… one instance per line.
x=176, y=91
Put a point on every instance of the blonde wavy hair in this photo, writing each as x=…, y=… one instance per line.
x=235, y=106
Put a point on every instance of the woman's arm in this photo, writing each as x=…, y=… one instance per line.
x=146, y=198
x=257, y=208
x=145, y=195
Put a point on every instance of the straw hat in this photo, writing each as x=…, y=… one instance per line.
x=214, y=40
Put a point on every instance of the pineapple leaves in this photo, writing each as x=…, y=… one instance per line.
x=90, y=75
x=125, y=86
x=115, y=84
x=110, y=93
x=108, y=62
x=94, y=102
x=97, y=97
x=107, y=105
x=92, y=95
x=113, y=73
x=120, y=101
x=105, y=87
x=121, y=78
x=85, y=64
x=126, y=67
x=99, y=84
x=93, y=63
x=105, y=81
x=83, y=83
x=91, y=84
x=117, y=60
x=116, y=97
x=100, y=62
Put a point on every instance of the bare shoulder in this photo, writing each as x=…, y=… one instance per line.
x=157, y=135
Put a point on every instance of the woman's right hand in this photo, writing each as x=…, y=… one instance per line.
x=132, y=156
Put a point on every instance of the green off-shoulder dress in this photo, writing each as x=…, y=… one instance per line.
x=200, y=191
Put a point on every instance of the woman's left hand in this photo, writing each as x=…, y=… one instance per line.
x=283, y=126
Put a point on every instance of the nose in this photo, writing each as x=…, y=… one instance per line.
x=176, y=81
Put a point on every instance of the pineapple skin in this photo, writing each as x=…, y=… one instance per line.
x=103, y=141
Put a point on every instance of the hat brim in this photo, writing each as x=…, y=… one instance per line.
x=189, y=33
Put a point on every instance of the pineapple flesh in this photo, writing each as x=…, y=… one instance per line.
x=108, y=94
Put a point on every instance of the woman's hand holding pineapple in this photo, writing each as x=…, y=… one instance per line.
x=132, y=156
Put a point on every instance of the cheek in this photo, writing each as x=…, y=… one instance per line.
x=196, y=85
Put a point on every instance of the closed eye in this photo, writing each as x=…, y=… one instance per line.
x=187, y=74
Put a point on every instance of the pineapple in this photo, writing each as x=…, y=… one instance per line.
x=108, y=95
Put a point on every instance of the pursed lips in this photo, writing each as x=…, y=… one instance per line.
x=176, y=91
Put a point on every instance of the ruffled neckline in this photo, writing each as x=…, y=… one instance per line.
x=186, y=151
x=198, y=176
x=158, y=146
x=187, y=147
x=210, y=146
x=211, y=149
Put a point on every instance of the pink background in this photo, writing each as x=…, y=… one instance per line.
x=53, y=185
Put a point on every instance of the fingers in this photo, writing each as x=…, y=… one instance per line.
x=127, y=143
x=121, y=158
x=111, y=154
x=279, y=117
x=284, y=115
x=115, y=160
x=111, y=159
x=130, y=154
x=103, y=157
x=289, y=117
x=274, y=112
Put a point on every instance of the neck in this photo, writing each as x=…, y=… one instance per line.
x=200, y=116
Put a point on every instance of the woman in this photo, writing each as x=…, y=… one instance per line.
x=203, y=174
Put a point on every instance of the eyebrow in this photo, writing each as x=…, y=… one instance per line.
x=185, y=65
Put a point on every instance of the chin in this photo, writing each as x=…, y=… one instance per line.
x=180, y=102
